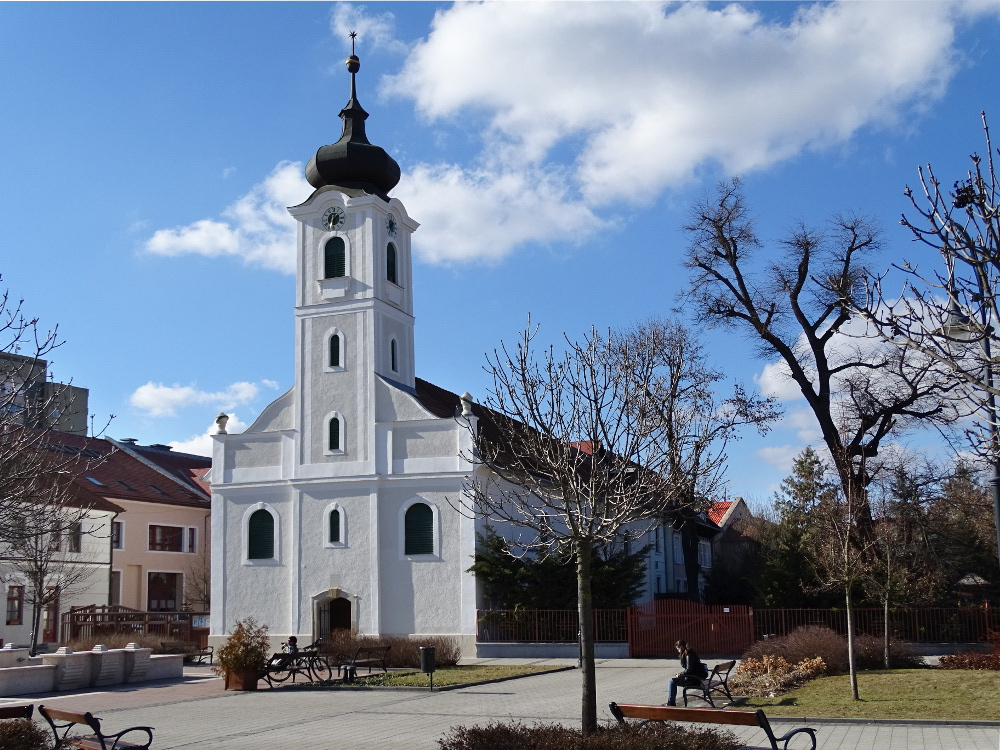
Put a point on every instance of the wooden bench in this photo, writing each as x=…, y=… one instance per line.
x=63, y=721
x=365, y=656
x=622, y=711
x=716, y=682
x=192, y=650
x=17, y=712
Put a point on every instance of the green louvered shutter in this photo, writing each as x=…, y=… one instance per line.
x=335, y=351
x=334, y=259
x=260, y=542
x=334, y=526
x=419, y=523
x=390, y=263
x=335, y=434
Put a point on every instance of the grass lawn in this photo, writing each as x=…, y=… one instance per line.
x=957, y=694
x=446, y=676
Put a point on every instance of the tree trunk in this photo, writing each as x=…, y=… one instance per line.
x=36, y=616
x=585, y=610
x=885, y=630
x=851, y=666
x=692, y=568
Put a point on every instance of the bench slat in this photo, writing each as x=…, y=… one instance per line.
x=672, y=713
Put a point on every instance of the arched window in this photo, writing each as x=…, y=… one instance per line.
x=390, y=263
x=260, y=536
x=334, y=258
x=334, y=437
x=392, y=356
x=419, y=530
x=334, y=536
x=335, y=350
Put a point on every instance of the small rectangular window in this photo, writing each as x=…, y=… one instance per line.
x=75, y=537
x=192, y=545
x=166, y=538
x=678, y=549
x=15, y=605
x=117, y=540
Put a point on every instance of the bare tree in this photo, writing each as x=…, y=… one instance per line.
x=50, y=554
x=27, y=413
x=798, y=307
x=573, y=452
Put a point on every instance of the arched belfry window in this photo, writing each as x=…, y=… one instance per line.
x=393, y=362
x=390, y=264
x=334, y=258
x=418, y=530
x=260, y=536
x=334, y=441
x=335, y=357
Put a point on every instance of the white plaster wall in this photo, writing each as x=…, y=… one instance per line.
x=258, y=588
x=278, y=415
x=395, y=405
x=427, y=440
x=252, y=451
x=421, y=594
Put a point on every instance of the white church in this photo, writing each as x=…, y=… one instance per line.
x=332, y=509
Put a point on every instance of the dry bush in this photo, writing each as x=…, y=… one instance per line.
x=655, y=736
x=116, y=640
x=405, y=652
x=772, y=675
x=22, y=734
x=972, y=660
x=818, y=641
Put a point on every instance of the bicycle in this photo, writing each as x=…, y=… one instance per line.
x=307, y=662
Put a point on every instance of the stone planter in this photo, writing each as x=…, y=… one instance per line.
x=243, y=680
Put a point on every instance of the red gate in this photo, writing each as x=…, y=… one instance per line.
x=712, y=630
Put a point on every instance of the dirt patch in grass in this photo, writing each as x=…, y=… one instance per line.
x=965, y=695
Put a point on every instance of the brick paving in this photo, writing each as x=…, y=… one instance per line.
x=197, y=714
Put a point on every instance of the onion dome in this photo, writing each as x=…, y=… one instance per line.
x=353, y=162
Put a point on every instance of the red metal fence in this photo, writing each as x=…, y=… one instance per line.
x=654, y=628
x=85, y=623
x=651, y=629
x=545, y=625
x=915, y=624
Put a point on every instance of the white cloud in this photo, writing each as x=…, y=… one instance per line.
x=201, y=445
x=257, y=227
x=780, y=456
x=158, y=400
x=374, y=31
x=593, y=104
x=776, y=380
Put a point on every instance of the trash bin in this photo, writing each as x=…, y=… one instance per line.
x=427, y=659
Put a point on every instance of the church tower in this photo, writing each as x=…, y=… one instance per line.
x=354, y=297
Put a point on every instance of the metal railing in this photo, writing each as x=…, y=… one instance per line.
x=546, y=625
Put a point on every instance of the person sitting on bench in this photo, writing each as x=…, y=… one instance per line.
x=694, y=671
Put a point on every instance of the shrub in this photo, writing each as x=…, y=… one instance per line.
x=773, y=675
x=972, y=660
x=22, y=734
x=817, y=641
x=405, y=652
x=247, y=648
x=655, y=736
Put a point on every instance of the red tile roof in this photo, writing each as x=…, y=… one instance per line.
x=716, y=511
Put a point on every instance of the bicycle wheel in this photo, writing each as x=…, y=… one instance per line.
x=280, y=671
x=321, y=668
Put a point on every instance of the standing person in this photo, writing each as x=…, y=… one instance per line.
x=694, y=671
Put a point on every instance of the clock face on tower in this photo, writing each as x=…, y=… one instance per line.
x=333, y=218
x=390, y=225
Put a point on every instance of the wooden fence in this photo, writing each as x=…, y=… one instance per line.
x=714, y=630
x=93, y=622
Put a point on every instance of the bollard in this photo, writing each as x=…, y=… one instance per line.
x=427, y=662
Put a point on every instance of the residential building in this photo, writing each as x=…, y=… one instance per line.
x=28, y=398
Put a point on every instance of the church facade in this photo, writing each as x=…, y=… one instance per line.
x=334, y=509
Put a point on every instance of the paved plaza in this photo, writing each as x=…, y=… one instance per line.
x=197, y=714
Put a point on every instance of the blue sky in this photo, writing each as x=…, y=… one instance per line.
x=551, y=152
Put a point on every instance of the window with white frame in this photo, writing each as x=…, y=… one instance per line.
x=704, y=554
x=192, y=539
x=117, y=535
